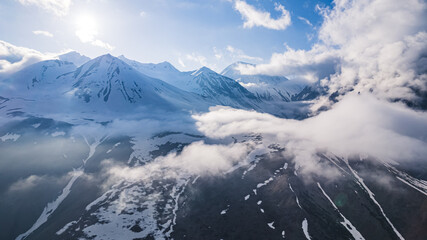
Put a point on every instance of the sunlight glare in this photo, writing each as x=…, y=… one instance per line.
x=87, y=28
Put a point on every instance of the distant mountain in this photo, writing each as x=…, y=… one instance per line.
x=163, y=70
x=104, y=83
x=37, y=80
x=268, y=88
x=210, y=85
x=308, y=93
x=109, y=83
x=74, y=57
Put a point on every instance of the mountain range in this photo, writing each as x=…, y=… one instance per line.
x=117, y=84
x=111, y=148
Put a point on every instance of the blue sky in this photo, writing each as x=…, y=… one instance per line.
x=188, y=34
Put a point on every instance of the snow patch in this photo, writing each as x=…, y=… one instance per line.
x=259, y=185
x=305, y=229
x=52, y=206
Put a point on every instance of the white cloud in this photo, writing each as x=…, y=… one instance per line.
x=362, y=48
x=359, y=124
x=236, y=53
x=200, y=59
x=305, y=20
x=26, y=183
x=13, y=58
x=44, y=33
x=142, y=14
x=198, y=158
x=312, y=65
x=87, y=32
x=253, y=17
x=58, y=7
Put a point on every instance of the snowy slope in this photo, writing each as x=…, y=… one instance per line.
x=164, y=70
x=108, y=80
x=221, y=89
x=37, y=80
x=269, y=88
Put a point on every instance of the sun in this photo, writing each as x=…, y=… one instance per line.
x=86, y=27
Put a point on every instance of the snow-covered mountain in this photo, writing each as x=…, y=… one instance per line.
x=212, y=86
x=74, y=57
x=103, y=84
x=107, y=79
x=164, y=70
x=268, y=88
x=37, y=80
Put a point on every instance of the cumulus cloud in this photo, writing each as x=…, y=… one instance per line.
x=317, y=63
x=254, y=17
x=359, y=124
x=362, y=48
x=14, y=58
x=57, y=7
x=198, y=158
x=44, y=33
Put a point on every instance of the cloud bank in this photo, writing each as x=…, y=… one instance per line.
x=198, y=158
x=13, y=58
x=359, y=124
x=377, y=46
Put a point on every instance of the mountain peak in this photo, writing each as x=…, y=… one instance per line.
x=108, y=59
x=166, y=65
x=107, y=55
x=74, y=57
x=203, y=70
